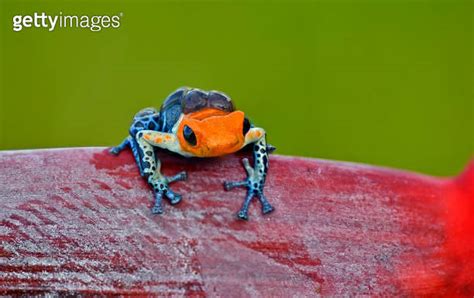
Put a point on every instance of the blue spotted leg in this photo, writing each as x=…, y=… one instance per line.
x=146, y=118
x=129, y=141
x=255, y=181
x=158, y=181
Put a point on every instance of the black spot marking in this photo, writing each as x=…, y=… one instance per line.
x=246, y=126
x=139, y=124
x=262, y=150
x=152, y=126
x=149, y=153
x=153, y=168
x=146, y=165
x=140, y=134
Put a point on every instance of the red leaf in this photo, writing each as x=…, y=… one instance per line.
x=79, y=220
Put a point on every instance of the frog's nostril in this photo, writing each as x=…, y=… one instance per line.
x=189, y=135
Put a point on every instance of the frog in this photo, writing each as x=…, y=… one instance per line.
x=196, y=123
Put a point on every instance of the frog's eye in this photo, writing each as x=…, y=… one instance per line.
x=189, y=135
x=246, y=126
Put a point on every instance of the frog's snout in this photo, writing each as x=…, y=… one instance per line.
x=219, y=145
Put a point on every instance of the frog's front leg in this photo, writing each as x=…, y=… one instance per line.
x=256, y=176
x=146, y=139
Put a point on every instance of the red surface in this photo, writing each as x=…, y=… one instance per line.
x=79, y=220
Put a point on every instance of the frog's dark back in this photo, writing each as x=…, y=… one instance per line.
x=147, y=118
x=187, y=100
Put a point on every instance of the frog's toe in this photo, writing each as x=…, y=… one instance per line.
x=173, y=197
x=270, y=148
x=243, y=215
x=114, y=150
x=228, y=185
x=181, y=176
x=267, y=208
x=157, y=210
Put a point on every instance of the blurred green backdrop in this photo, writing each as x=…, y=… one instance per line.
x=379, y=82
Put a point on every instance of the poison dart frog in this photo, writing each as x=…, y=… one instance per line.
x=197, y=123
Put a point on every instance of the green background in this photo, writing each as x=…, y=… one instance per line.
x=379, y=82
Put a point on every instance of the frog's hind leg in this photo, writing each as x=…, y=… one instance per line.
x=117, y=149
x=129, y=141
x=137, y=154
x=144, y=119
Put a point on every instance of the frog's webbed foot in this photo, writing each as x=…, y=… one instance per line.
x=117, y=149
x=254, y=183
x=256, y=175
x=161, y=188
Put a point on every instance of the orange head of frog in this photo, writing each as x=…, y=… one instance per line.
x=211, y=132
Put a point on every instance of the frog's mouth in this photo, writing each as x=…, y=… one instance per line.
x=211, y=132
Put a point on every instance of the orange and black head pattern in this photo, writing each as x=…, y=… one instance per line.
x=212, y=132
